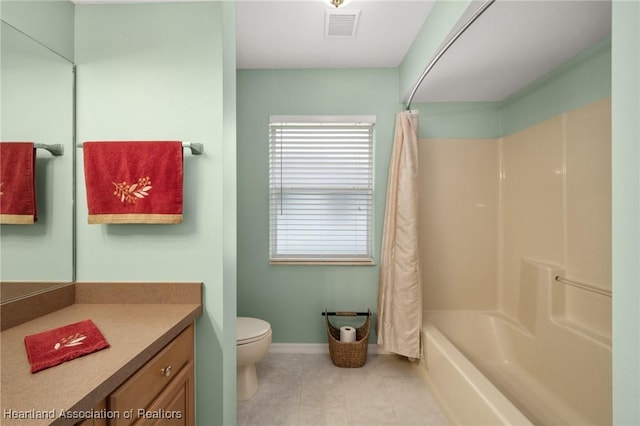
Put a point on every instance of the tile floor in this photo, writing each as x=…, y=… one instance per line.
x=308, y=390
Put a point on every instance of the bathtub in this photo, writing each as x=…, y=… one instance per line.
x=486, y=369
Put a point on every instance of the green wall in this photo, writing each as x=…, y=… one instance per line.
x=290, y=297
x=459, y=119
x=626, y=212
x=48, y=21
x=155, y=71
x=229, y=227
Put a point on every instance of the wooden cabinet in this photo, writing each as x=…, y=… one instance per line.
x=160, y=393
x=96, y=422
x=177, y=397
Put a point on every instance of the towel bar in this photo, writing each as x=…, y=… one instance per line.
x=196, y=148
x=583, y=286
x=55, y=149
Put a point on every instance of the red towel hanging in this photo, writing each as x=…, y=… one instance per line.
x=134, y=181
x=17, y=183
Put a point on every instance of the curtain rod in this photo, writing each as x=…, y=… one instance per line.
x=446, y=47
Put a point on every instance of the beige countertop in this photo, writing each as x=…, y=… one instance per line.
x=136, y=332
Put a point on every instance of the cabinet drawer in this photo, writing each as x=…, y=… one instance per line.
x=174, y=406
x=145, y=385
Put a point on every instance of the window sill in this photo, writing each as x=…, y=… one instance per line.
x=328, y=262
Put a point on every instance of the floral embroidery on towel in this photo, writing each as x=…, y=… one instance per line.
x=131, y=193
x=73, y=340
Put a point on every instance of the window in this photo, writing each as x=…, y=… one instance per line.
x=321, y=189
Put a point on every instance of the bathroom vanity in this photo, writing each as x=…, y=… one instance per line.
x=146, y=376
x=161, y=391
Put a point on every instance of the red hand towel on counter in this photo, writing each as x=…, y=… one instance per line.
x=53, y=347
x=17, y=183
x=134, y=182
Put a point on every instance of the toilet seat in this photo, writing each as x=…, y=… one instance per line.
x=250, y=330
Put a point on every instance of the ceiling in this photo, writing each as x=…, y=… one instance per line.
x=291, y=34
x=511, y=45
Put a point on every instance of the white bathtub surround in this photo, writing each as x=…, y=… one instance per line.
x=490, y=206
x=555, y=205
x=549, y=368
x=308, y=390
x=465, y=394
x=399, y=320
x=542, y=192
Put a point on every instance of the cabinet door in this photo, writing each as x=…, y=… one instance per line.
x=102, y=405
x=134, y=398
x=174, y=405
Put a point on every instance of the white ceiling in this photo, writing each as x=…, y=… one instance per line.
x=290, y=34
x=512, y=44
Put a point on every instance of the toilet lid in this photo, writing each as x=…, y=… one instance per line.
x=250, y=329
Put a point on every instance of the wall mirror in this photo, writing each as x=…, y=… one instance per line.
x=37, y=100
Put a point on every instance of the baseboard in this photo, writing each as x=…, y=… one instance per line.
x=299, y=348
x=316, y=348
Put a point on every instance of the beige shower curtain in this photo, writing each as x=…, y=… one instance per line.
x=399, y=321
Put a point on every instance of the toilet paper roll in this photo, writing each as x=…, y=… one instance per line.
x=347, y=334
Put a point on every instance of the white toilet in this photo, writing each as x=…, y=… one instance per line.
x=253, y=341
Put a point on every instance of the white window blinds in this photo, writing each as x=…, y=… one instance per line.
x=321, y=188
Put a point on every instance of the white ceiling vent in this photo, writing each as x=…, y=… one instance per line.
x=341, y=23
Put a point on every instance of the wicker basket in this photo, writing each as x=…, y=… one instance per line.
x=348, y=354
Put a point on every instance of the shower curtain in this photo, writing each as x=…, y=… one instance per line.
x=399, y=321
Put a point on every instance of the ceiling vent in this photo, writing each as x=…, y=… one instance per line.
x=341, y=23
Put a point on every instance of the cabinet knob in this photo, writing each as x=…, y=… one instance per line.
x=166, y=371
